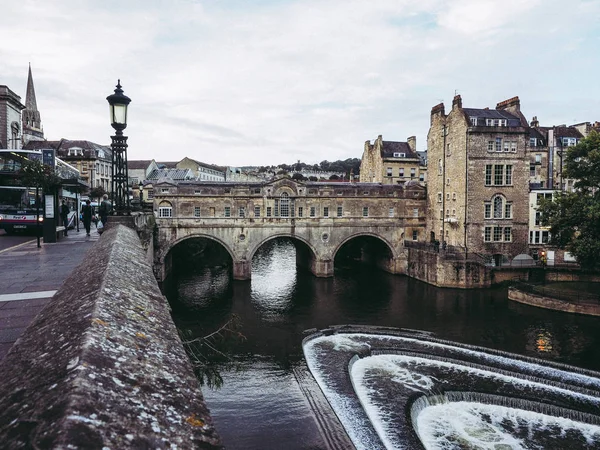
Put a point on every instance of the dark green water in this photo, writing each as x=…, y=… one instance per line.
x=261, y=406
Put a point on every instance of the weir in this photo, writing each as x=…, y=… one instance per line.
x=409, y=390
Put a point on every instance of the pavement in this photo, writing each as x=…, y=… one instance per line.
x=29, y=277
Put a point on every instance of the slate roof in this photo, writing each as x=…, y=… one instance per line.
x=170, y=174
x=539, y=135
x=563, y=131
x=486, y=113
x=388, y=149
x=39, y=145
x=139, y=164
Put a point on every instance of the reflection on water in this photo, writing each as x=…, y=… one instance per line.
x=278, y=304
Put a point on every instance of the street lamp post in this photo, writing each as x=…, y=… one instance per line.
x=118, y=119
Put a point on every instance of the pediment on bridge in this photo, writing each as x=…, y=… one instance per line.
x=163, y=183
x=284, y=184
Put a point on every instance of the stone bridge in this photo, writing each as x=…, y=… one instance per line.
x=319, y=217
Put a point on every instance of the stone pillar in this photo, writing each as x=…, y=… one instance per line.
x=322, y=268
x=242, y=270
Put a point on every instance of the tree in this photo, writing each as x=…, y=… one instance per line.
x=574, y=217
x=298, y=176
x=35, y=174
x=97, y=192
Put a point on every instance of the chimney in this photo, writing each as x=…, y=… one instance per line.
x=457, y=101
x=412, y=143
x=437, y=110
x=534, y=122
x=511, y=105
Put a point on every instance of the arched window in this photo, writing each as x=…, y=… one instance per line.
x=165, y=210
x=284, y=205
x=498, y=207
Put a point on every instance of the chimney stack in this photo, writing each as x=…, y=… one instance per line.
x=457, y=101
x=412, y=143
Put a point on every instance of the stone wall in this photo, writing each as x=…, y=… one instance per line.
x=102, y=365
x=551, y=303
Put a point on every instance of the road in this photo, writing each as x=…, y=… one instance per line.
x=7, y=241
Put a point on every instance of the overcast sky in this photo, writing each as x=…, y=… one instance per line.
x=240, y=82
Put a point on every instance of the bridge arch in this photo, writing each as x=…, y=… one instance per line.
x=388, y=262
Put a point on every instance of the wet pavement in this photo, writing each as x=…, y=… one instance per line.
x=30, y=276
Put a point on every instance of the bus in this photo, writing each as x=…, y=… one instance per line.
x=20, y=209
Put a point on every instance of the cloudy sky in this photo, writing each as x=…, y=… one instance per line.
x=240, y=82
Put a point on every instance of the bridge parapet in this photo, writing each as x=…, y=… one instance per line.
x=102, y=365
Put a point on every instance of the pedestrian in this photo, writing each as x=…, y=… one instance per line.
x=87, y=213
x=64, y=215
x=104, y=210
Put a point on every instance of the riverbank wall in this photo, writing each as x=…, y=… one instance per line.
x=544, y=301
x=102, y=365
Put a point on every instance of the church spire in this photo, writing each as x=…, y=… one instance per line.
x=32, y=123
x=30, y=102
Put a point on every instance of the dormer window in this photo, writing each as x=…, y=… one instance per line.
x=495, y=122
x=532, y=142
x=399, y=155
x=474, y=121
x=569, y=141
x=75, y=151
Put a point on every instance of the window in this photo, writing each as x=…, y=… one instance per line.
x=165, y=211
x=401, y=172
x=497, y=234
x=538, y=158
x=284, y=205
x=440, y=167
x=487, y=235
x=241, y=212
x=454, y=196
x=391, y=212
x=399, y=155
x=532, y=142
x=569, y=142
x=447, y=181
x=256, y=190
x=488, y=210
x=365, y=212
x=545, y=237
x=508, y=210
x=150, y=194
x=498, y=144
x=389, y=171
x=474, y=121
x=538, y=218
x=502, y=174
x=453, y=212
x=498, y=207
x=532, y=170
x=257, y=211
x=439, y=197
x=164, y=190
x=340, y=211
x=498, y=174
x=313, y=211
x=421, y=177
x=415, y=212
x=413, y=172
x=490, y=146
x=507, y=234
x=448, y=153
x=447, y=195
x=300, y=211
x=415, y=235
x=228, y=211
x=326, y=211
x=269, y=211
x=447, y=213
x=196, y=211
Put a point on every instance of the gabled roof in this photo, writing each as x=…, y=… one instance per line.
x=564, y=131
x=139, y=164
x=389, y=148
x=486, y=113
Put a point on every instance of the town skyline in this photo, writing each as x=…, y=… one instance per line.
x=286, y=81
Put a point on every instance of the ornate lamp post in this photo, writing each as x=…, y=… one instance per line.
x=120, y=177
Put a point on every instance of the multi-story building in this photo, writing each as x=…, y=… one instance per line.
x=92, y=160
x=10, y=118
x=478, y=179
x=390, y=162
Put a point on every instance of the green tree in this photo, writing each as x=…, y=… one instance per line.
x=36, y=174
x=97, y=192
x=574, y=217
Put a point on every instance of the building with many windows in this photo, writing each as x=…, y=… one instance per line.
x=478, y=179
x=390, y=162
x=10, y=118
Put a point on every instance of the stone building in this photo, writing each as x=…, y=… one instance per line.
x=478, y=179
x=10, y=118
x=32, y=122
x=390, y=162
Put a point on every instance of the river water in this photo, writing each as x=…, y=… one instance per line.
x=260, y=405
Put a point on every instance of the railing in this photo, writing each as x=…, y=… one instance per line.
x=558, y=294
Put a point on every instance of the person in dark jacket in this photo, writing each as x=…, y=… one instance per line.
x=105, y=209
x=64, y=215
x=87, y=212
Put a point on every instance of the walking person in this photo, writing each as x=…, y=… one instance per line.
x=64, y=215
x=87, y=213
x=104, y=210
